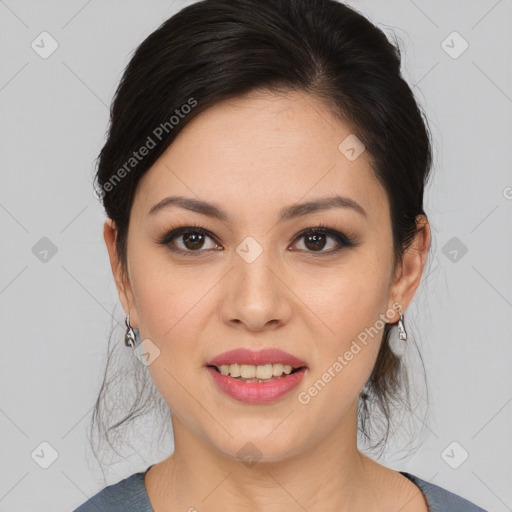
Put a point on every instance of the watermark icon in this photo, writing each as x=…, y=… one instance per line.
x=454, y=250
x=44, y=455
x=454, y=45
x=351, y=147
x=249, y=249
x=507, y=192
x=146, y=352
x=150, y=143
x=44, y=45
x=304, y=397
x=44, y=250
x=249, y=454
x=454, y=455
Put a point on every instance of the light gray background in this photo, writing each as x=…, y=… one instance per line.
x=55, y=315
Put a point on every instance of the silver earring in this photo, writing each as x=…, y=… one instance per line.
x=130, y=337
x=401, y=328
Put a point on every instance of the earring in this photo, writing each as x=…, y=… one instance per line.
x=401, y=328
x=130, y=337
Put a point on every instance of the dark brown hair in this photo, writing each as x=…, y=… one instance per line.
x=215, y=50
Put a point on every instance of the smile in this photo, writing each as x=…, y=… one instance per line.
x=253, y=373
x=257, y=391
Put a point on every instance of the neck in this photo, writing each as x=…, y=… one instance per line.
x=330, y=475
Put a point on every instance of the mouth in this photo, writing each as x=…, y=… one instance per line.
x=256, y=377
x=256, y=373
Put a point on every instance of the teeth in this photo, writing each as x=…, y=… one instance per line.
x=277, y=369
x=249, y=371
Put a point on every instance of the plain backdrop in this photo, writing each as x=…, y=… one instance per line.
x=56, y=289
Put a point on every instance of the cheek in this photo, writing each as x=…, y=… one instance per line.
x=174, y=306
x=346, y=309
x=347, y=298
x=352, y=310
x=168, y=298
x=173, y=311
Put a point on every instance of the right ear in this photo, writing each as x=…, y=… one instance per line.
x=123, y=286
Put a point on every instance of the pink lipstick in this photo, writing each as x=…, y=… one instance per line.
x=256, y=376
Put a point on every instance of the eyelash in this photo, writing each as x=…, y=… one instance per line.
x=342, y=239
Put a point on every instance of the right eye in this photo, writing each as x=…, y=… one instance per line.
x=192, y=239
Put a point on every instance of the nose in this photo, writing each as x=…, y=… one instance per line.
x=256, y=296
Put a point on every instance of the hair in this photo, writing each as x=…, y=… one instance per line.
x=215, y=50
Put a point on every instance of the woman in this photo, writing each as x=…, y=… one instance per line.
x=263, y=179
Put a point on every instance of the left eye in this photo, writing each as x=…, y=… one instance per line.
x=315, y=240
x=193, y=240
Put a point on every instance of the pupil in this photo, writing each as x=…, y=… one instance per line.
x=316, y=238
x=190, y=239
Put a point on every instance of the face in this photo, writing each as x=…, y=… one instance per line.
x=258, y=279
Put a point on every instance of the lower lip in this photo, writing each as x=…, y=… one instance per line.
x=256, y=392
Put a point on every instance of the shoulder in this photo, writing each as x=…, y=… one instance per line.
x=128, y=495
x=440, y=499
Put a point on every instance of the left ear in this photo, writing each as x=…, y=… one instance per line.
x=408, y=274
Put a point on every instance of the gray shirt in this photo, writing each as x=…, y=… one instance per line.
x=129, y=495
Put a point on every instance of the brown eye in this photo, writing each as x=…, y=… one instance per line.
x=193, y=240
x=187, y=240
x=317, y=239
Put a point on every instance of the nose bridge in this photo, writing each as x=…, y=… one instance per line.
x=256, y=295
x=255, y=265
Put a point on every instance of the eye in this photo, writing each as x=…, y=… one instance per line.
x=192, y=239
x=316, y=239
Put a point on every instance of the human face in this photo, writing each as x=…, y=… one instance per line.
x=252, y=157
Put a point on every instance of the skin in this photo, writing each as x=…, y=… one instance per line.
x=251, y=157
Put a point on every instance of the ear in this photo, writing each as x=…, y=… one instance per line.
x=408, y=273
x=121, y=277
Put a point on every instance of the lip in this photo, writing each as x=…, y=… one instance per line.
x=256, y=392
x=256, y=358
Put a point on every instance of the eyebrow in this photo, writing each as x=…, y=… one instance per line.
x=285, y=214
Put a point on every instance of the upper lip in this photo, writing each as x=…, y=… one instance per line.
x=259, y=357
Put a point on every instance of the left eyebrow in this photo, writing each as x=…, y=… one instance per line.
x=285, y=214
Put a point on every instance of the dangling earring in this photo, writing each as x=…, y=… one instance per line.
x=130, y=337
x=401, y=328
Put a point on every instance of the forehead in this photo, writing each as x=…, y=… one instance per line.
x=263, y=149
